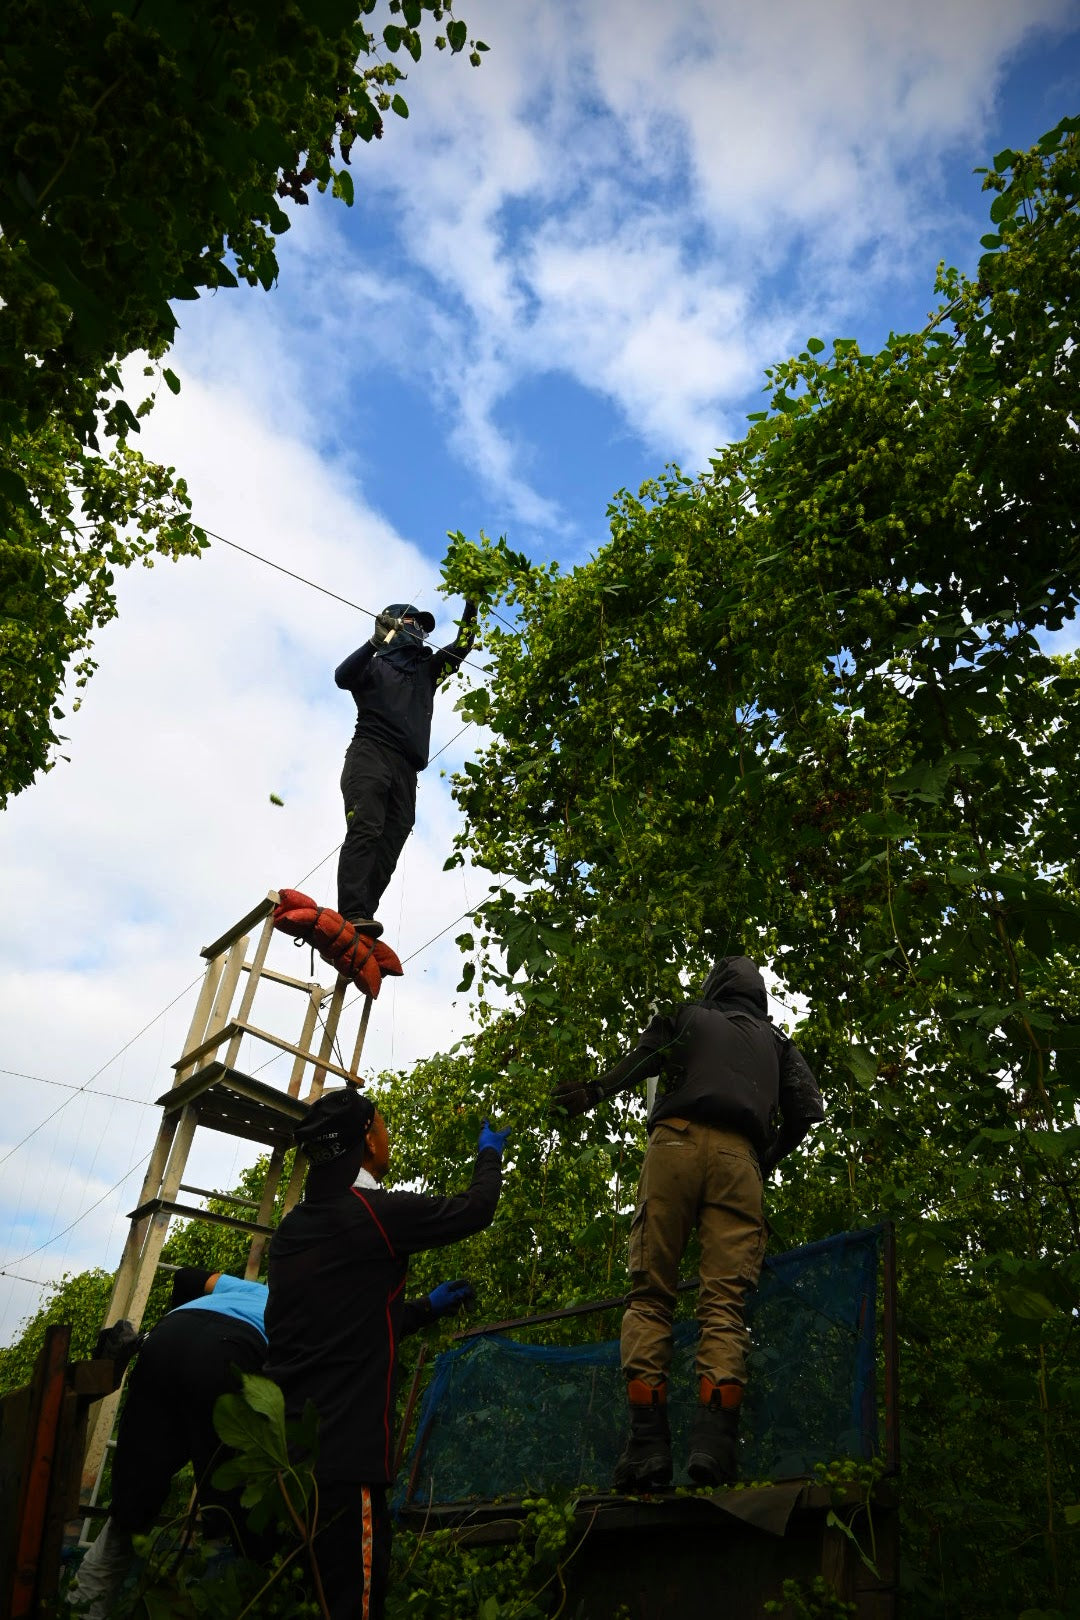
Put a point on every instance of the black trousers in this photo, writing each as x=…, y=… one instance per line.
x=185, y=1364
x=352, y=1549
x=378, y=786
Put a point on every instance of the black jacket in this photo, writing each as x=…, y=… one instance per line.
x=337, y=1310
x=395, y=696
x=722, y=1062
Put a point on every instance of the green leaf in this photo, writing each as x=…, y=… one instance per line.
x=392, y=36
x=1028, y=1303
x=343, y=187
x=400, y=106
x=815, y=345
x=457, y=33
x=172, y=381
x=862, y=1065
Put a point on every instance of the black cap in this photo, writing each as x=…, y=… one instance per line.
x=406, y=610
x=189, y=1282
x=335, y=1122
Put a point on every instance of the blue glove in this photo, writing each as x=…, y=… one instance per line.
x=451, y=1297
x=492, y=1139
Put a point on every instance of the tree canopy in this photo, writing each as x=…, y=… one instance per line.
x=802, y=707
x=145, y=157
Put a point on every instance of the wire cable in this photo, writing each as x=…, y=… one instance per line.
x=56, y=1236
x=302, y=579
x=69, y=1085
x=17, y=1276
x=86, y=1086
x=299, y=577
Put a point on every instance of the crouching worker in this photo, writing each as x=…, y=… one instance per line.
x=213, y=1330
x=338, y=1264
x=734, y=1097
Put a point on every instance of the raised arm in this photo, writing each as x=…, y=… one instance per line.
x=414, y=1221
x=448, y=658
x=647, y=1058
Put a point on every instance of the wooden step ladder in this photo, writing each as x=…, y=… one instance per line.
x=208, y=1090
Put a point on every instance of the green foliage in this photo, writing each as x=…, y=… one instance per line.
x=80, y=1302
x=279, y=1496
x=145, y=158
x=480, y=572
x=441, y=1575
x=74, y=518
x=810, y=1600
x=799, y=708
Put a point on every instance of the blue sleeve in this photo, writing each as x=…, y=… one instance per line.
x=349, y=673
x=236, y=1297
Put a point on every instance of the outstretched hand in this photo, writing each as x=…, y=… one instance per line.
x=572, y=1098
x=490, y=1138
x=450, y=1297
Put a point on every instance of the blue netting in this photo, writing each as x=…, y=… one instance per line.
x=502, y=1418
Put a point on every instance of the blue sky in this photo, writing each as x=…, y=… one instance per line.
x=565, y=270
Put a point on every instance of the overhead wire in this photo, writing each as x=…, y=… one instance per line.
x=69, y=1085
x=324, y=590
x=56, y=1236
x=18, y=1277
x=87, y=1084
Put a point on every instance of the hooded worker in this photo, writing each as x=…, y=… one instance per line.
x=734, y=1097
x=392, y=678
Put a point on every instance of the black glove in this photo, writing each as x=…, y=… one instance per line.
x=384, y=623
x=574, y=1099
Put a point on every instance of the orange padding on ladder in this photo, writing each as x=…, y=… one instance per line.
x=357, y=956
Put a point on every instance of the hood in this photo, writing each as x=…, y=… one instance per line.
x=737, y=979
x=406, y=647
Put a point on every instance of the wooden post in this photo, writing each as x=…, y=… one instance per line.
x=46, y=1403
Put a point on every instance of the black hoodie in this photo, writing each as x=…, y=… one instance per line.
x=722, y=1062
x=338, y=1264
x=393, y=688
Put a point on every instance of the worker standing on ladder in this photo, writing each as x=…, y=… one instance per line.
x=212, y=1332
x=338, y=1264
x=735, y=1097
x=392, y=678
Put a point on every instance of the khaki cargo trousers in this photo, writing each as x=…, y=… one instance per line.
x=702, y=1176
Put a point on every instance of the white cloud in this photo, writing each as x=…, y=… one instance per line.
x=656, y=202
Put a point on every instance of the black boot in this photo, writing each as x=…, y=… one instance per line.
x=714, y=1435
x=645, y=1464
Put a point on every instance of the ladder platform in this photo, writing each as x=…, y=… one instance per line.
x=238, y=1104
x=165, y=1206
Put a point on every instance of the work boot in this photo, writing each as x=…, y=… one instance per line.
x=645, y=1464
x=714, y=1434
x=366, y=925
